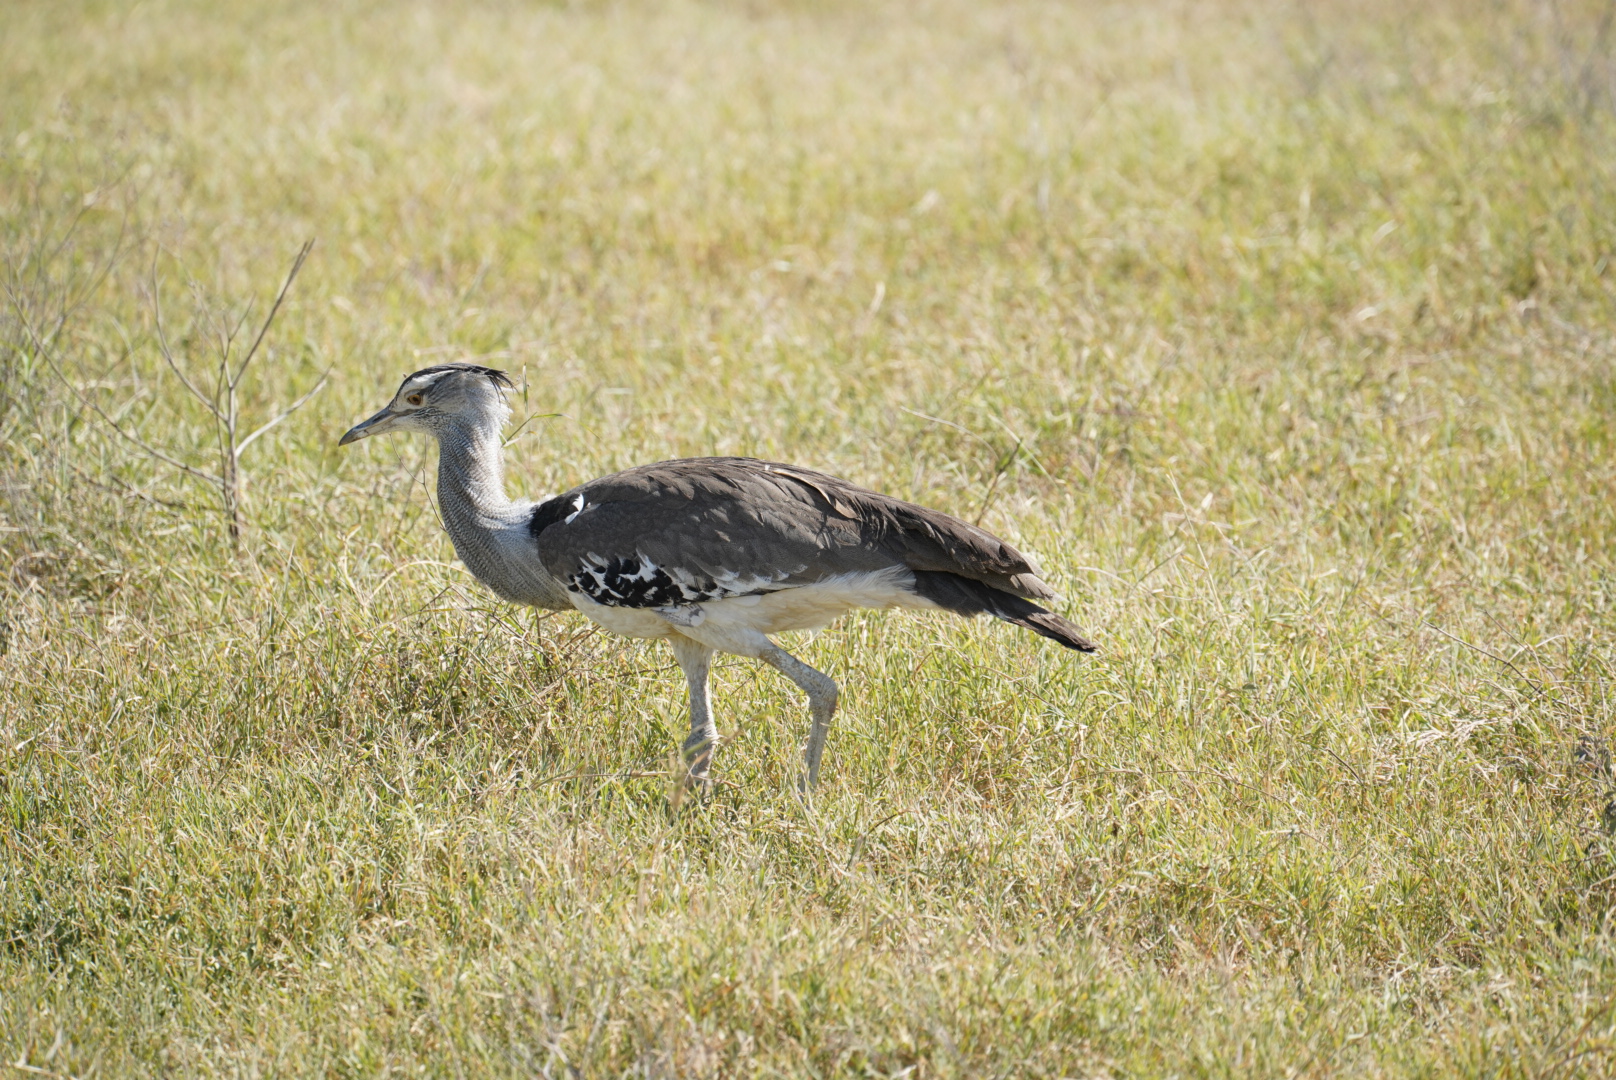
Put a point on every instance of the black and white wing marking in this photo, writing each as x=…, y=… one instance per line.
x=696, y=530
x=676, y=534
x=686, y=531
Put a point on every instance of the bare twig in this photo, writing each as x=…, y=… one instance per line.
x=43, y=349
x=168, y=353
x=1346, y=765
x=226, y=386
x=1525, y=678
x=221, y=399
x=291, y=276
x=284, y=413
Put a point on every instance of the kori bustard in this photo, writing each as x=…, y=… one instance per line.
x=712, y=554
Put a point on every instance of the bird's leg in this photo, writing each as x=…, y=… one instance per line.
x=696, y=659
x=821, y=691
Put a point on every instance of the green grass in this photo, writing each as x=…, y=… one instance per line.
x=1283, y=336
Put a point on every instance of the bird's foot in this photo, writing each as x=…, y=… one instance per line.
x=688, y=782
x=698, y=759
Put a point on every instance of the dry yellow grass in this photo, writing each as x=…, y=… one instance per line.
x=1283, y=335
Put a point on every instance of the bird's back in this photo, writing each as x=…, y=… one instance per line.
x=695, y=530
x=752, y=519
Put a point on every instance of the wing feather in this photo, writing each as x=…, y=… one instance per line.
x=680, y=532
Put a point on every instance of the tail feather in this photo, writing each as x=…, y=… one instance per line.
x=966, y=597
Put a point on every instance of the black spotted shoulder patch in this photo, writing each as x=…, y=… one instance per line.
x=635, y=581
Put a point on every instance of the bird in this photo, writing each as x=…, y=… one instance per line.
x=711, y=554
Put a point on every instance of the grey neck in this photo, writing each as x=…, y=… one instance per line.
x=489, y=531
x=471, y=478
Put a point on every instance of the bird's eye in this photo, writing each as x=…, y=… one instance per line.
x=414, y=399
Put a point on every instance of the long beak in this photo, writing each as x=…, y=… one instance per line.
x=376, y=425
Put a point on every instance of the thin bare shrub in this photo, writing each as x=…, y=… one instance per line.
x=215, y=382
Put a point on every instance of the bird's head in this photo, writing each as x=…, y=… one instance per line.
x=440, y=397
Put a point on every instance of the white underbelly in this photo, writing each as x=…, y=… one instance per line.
x=740, y=623
x=810, y=607
x=628, y=621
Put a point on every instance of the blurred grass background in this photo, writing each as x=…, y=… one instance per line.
x=1281, y=333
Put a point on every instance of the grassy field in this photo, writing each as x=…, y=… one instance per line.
x=1283, y=335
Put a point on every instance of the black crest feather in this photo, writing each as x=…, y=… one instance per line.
x=498, y=377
